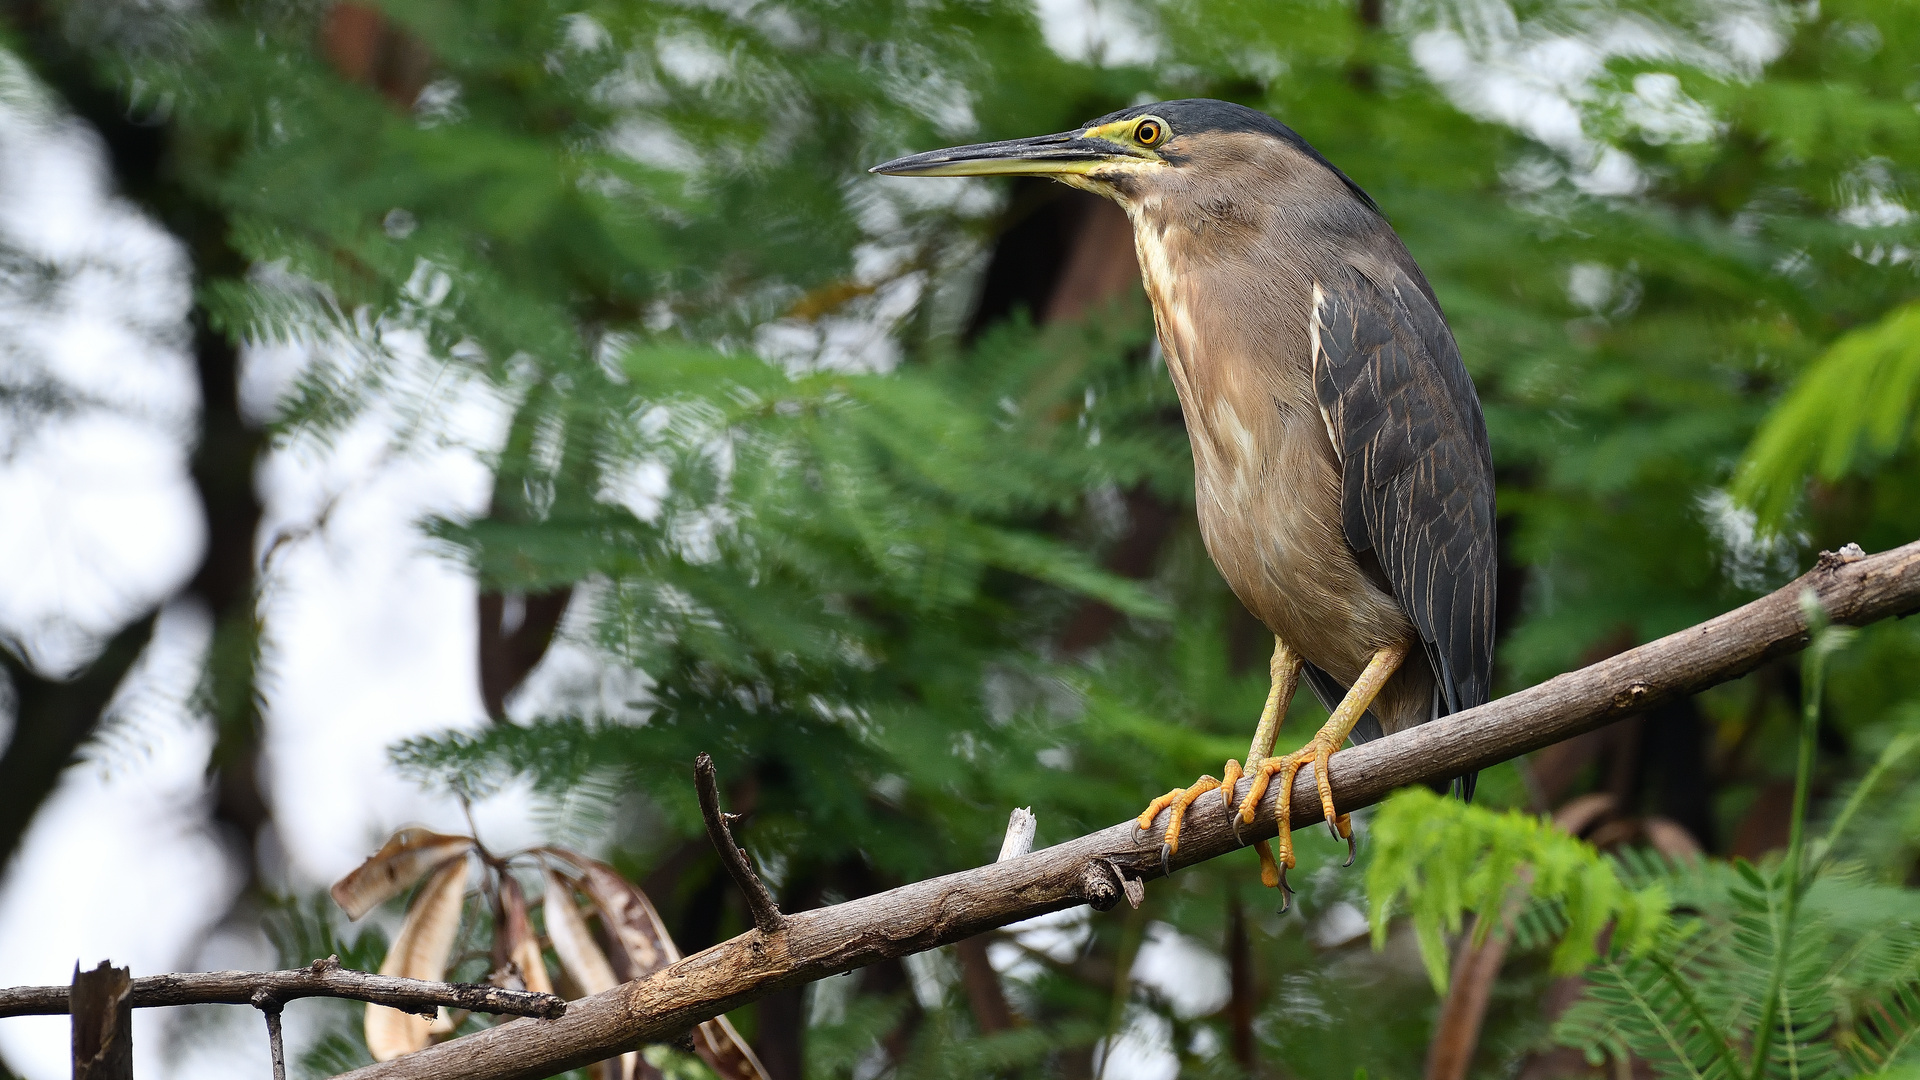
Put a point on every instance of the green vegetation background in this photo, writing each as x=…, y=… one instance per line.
x=645, y=230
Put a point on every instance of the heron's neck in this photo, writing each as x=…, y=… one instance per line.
x=1159, y=251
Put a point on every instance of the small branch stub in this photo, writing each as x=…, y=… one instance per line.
x=1132, y=888
x=102, y=1023
x=766, y=914
x=1021, y=825
x=1097, y=886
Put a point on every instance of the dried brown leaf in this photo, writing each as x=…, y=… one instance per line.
x=522, y=946
x=409, y=855
x=419, y=951
x=632, y=921
x=579, y=955
x=725, y=1052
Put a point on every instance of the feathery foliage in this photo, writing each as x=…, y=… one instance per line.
x=1442, y=859
x=1855, y=405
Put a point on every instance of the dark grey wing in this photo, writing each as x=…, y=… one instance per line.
x=1417, y=474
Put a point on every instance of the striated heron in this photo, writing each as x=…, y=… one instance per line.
x=1341, y=470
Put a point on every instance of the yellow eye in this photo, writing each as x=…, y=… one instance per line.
x=1149, y=132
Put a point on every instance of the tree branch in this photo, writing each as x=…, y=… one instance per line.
x=1851, y=587
x=270, y=989
x=52, y=720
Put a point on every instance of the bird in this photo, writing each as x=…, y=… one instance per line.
x=1343, y=480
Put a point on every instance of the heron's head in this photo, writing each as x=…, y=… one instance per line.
x=1147, y=154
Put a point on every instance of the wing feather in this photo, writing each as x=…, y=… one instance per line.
x=1417, y=474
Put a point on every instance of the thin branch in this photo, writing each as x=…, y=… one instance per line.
x=276, y=1046
x=1456, y=1031
x=766, y=914
x=810, y=945
x=324, y=978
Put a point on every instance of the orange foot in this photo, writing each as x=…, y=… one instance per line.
x=1285, y=673
x=1318, y=752
x=1179, y=799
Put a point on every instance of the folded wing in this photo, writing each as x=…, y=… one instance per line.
x=1417, y=474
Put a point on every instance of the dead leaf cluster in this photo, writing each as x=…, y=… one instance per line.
x=599, y=928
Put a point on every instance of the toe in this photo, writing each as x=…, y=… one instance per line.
x=1261, y=775
x=1269, y=871
x=1178, y=817
x=1322, y=759
x=1343, y=830
x=1145, y=820
x=1229, y=779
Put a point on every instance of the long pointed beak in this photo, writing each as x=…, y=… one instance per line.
x=1042, y=155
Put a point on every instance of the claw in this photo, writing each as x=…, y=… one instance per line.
x=1166, y=851
x=1343, y=830
x=1286, y=894
x=1269, y=869
x=1233, y=822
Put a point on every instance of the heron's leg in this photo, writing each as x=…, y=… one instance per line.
x=1318, y=750
x=1285, y=672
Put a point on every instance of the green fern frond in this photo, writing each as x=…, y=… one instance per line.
x=1653, y=1007
x=1883, y=1030
x=1857, y=402
x=1441, y=859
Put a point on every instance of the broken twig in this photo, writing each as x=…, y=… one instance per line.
x=766, y=913
x=1021, y=825
x=102, y=1024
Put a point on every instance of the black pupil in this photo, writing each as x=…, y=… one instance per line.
x=1149, y=132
